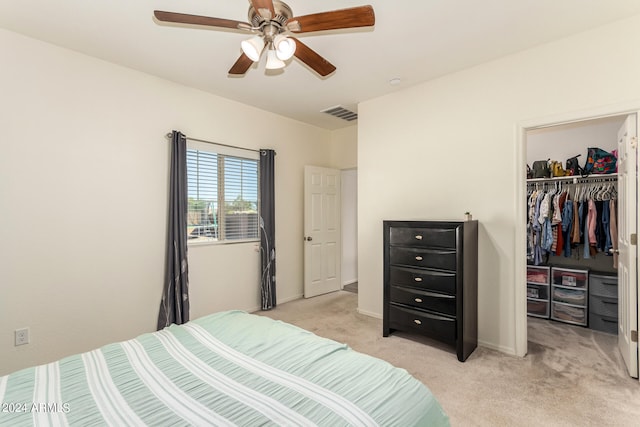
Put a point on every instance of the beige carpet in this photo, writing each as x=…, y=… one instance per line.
x=572, y=376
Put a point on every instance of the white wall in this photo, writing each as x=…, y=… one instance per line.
x=344, y=148
x=84, y=166
x=349, y=207
x=448, y=146
x=564, y=141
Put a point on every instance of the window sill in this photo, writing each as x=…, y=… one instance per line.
x=220, y=242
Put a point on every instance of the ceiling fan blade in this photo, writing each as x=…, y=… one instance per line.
x=316, y=62
x=261, y=5
x=362, y=16
x=182, y=18
x=241, y=66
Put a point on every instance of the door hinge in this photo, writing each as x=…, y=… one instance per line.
x=633, y=239
x=634, y=336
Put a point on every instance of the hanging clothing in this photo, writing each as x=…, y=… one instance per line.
x=586, y=253
x=593, y=239
x=560, y=219
x=575, y=234
x=567, y=222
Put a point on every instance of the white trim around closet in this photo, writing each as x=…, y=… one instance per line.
x=520, y=130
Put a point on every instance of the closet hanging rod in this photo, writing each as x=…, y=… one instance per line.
x=169, y=135
x=576, y=178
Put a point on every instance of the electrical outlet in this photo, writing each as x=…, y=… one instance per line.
x=22, y=336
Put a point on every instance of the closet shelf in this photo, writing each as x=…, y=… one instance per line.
x=577, y=178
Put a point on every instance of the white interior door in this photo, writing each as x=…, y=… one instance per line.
x=322, y=254
x=628, y=250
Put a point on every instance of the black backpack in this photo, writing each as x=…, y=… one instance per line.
x=541, y=169
x=572, y=166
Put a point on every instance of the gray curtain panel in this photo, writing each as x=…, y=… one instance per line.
x=174, y=307
x=267, y=229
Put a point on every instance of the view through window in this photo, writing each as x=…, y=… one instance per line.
x=223, y=196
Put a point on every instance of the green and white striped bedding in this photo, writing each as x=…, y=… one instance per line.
x=229, y=368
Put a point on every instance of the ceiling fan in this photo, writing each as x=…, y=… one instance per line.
x=272, y=23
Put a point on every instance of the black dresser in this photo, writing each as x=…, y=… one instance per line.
x=431, y=281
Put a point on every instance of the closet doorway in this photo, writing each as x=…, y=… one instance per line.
x=559, y=139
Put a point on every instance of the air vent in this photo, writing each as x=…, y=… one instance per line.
x=341, y=113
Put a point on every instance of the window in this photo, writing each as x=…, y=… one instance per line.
x=223, y=194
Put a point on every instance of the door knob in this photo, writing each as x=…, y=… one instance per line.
x=308, y=239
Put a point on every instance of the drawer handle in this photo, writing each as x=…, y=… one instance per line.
x=418, y=300
x=417, y=322
x=418, y=279
x=418, y=258
x=418, y=237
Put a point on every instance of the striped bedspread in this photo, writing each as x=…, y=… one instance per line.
x=227, y=369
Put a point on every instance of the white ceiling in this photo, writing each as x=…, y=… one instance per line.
x=413, y=40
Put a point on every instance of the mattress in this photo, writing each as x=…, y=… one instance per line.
x=228, y=368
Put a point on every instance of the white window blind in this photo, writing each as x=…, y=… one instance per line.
x=223, y=196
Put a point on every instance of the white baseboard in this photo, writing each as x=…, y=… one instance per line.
x=348, y=282
x=293, y=298
x=502, y=349
x=280, y=301
x=369, y=313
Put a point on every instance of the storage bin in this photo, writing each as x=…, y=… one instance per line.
x=569, y=278
x=604, y=286
x=570, y=296
x=537, y=274
x=569, y=314
x=538, y=308
x=537, y=291
x=604, y=306
x=602, y=323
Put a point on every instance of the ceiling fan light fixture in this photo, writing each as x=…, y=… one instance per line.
x=273, y=63
x=270, y=19
x=285, y=47
x=253, y=47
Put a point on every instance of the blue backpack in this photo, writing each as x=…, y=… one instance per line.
x=599, y=162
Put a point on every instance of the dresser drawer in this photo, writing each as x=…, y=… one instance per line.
x=569, y=314
x=570, y=296
x=537, y=291
x=569, y=277
x=604, y=306
x=423, y=279
x=604, y=286
x=537, y=274
x=433, y=301
x=419, y=257
x=603, y=323
x=538, y=308
x=423, y=237
x=433, y=325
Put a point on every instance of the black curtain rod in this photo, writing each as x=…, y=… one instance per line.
x=169, y=135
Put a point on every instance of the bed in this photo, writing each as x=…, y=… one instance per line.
x=228, y=368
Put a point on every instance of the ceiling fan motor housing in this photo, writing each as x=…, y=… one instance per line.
x=282, y=14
